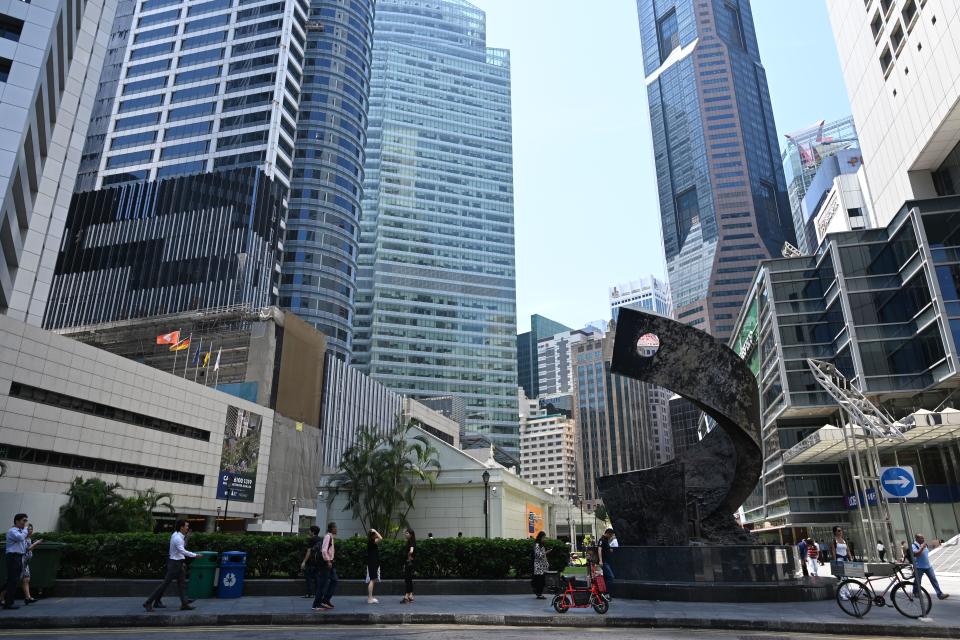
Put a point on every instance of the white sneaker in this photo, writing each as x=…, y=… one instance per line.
x=373, y=601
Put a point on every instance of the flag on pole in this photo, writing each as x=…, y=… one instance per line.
x=181, y=345
x=206, y=356
x=216, y=364
x=169, y=338
x=198, y=355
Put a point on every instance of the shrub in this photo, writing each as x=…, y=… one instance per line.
x=144, y=555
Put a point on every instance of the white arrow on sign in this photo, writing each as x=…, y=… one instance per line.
x=903, y=482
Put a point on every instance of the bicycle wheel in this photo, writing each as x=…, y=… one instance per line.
x=910, y=605
x=600, y=604
x=560, y=603
x=854, y=597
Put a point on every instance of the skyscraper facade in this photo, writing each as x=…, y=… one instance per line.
x=646, y=294
x=51, y=54
x=436, y=299
x=323, y=227
x=528, y=375
x=723, y=199
x=802, y=155
x=206, y=86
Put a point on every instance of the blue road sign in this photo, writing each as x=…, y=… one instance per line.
x=898, y=482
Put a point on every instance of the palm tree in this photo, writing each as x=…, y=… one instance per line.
x=95, y=506
x=381, y=475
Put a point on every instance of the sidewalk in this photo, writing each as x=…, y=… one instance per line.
x=504, y=610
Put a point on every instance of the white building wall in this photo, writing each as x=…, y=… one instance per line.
x=45, y=360
x=548, y=454
x=42, y=128
x=907, y=118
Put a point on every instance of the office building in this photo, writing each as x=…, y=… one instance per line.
x=554, y=361
x=803, y=153
x=323, y=226
x=609, y=411
x=205, y=86
x=723, y=199
x=838, y=198
x=883, y=306
x=527, y=359
x=684, y=417
x=436, y=300
x=903, y=80
x=51, y=54
x=649, y=294
x=158, y=247
x=548, y=452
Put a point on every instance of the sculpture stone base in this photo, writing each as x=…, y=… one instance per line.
x=737, y=573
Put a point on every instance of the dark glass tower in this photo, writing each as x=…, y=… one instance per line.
x=723, y=199
x=320, y=260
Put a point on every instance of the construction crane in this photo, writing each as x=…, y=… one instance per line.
x=862, y=424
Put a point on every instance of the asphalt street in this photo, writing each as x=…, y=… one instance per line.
x=415, y=633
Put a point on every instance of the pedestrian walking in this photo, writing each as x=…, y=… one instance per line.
x=881, y=550
x=802, y=554
x=311, y=563
x=327, y=582
x=605, y=552
x=813, y=555
x=922, y=566
x=409, y=547
x=373, y=563
x=540, y=565
x=176, y=570
x=14, y=551
x=25, y=572
x=839, y=547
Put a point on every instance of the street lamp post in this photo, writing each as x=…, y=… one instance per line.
x=293, y=512
x=486, y=509
x=580, y=500
x=217, y=523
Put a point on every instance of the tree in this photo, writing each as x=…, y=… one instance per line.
x=381, y=473
x=600, y=512
x=94, y=506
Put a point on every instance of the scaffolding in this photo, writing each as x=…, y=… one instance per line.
x=862, y=423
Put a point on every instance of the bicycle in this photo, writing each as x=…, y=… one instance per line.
x=855, y=597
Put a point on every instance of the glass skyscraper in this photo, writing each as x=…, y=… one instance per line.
x=436, y=298
x=723, y=199
x=320, y=249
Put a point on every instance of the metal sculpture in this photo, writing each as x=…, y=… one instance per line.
x=695, y=495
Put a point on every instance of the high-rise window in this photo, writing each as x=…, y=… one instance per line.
x=735, y=27
x=688, y=211
x=668, y=33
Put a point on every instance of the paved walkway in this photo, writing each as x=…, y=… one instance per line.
x=818, y=617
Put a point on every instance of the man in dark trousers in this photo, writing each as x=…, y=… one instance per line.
x=175, y=569
x=15, y=548
x=311, y=564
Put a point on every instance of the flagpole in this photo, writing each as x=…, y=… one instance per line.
x=187, y=359
x=196, y=369
x=173, y=370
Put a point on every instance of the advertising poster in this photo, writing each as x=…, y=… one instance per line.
x=534, y=519
x=241, y=450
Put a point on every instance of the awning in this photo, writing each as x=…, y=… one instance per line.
x=921, y=429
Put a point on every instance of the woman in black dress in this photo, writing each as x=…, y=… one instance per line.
x=373, y=563
x=409, y=547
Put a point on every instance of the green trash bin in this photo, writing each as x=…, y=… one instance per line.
x=45, y=564
x=203, y=571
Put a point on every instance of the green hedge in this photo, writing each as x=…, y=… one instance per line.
x=143, y=555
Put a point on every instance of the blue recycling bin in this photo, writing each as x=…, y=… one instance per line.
x=233, y=568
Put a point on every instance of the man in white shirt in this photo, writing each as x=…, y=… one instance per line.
x=16, y=546
x=175, y=569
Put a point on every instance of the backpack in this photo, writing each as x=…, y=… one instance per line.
x=315, y=553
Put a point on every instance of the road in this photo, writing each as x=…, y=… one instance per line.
x=424, y=632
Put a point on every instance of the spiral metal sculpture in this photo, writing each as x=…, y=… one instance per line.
x=695, y=495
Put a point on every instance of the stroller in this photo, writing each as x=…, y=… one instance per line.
x=579, y=595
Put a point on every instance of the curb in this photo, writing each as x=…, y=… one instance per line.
x=483, y=619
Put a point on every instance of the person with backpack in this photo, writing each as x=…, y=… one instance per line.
x=540, y=565
x=327, y=583
x=802, y=552
x=311, y=565
x=604, y=558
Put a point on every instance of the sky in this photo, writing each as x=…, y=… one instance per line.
x=586, y=208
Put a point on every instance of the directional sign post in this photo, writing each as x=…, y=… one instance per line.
x=898, y=482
